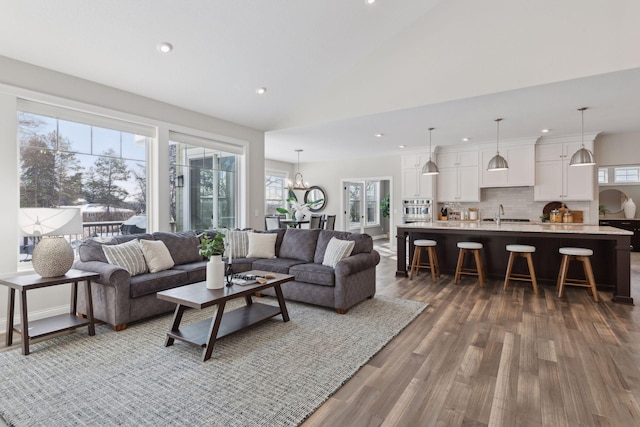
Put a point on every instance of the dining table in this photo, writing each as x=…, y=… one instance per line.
x=294, y=222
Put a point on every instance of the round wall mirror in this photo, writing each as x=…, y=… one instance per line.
x=612, y=200
x=313, y=194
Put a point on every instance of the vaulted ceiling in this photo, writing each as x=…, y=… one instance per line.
x=337, y=72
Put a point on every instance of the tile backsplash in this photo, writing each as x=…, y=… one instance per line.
x=517, y=202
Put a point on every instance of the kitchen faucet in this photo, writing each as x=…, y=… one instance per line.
x=499, y=214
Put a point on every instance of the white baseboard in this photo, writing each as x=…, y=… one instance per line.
x=379, y=237
x=34, y=315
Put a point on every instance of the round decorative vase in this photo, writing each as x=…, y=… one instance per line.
x=52, y=257
x=299, y=215
x=215, y=273
x=629, y=209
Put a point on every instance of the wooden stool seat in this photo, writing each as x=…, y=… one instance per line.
x=525, y=252
x=474, y=248
x=416, y=265
x=576, y=254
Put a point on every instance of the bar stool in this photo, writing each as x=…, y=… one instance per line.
x=576, y=254
x=523, y=251
x=416, y=265
x=472, y=247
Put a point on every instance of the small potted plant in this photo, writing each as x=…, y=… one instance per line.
x=213, y=249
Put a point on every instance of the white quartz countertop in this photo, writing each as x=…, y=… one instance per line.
x=522, y=227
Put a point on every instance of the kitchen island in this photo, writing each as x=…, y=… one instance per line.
x=611, y=247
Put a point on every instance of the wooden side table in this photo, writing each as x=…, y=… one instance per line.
x=50, y=325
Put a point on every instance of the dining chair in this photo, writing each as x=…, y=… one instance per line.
x=331, y=222
x=315, y=221
x=272, y=222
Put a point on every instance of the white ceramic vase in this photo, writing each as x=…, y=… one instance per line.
x=215, y=273
x=299, y=215
x=629, y=209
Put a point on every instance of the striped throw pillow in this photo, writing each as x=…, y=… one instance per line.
x=337, y=250
x=126, y=255
x=240, y=242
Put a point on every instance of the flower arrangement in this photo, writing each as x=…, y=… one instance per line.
x=297, y=206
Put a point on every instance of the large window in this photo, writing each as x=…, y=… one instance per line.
x=275, y=191
x=75, y=159
x=203, y=184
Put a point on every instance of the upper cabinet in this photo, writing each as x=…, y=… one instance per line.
x=458, y=178
x=555, y=179
x=414, y=184
x=520, y=156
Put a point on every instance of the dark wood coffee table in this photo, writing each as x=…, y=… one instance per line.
x=206, y=332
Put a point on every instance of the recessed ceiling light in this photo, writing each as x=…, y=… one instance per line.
x=402, y=146
x=261, y=90
x=465, y=139
x=379, y=135
x=164, y=47
x=545, y=130
x=370, y=1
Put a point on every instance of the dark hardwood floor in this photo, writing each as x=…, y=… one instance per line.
x=481, y=356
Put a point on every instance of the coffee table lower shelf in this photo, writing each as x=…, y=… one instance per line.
x=198, y=333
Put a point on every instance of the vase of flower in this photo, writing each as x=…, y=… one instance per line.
x=299, y=215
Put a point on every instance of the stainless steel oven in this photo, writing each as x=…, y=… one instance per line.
x=416, y=210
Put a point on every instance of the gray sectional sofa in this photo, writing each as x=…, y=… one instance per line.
x=119, y=298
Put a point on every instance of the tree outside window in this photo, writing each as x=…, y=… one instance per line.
x=275, y=191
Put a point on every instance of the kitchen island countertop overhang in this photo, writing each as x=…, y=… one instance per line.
x=611, y=246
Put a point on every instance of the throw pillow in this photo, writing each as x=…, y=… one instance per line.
x=156, y=255
x=126, y=255
x=262, y=245
x=239, y=241
x=337, y=250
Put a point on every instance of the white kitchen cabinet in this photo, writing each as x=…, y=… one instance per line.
x=458, y=180
x=414, y=184
x=521, y=172
x=556, y=180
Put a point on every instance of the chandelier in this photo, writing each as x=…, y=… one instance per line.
x=298, y=183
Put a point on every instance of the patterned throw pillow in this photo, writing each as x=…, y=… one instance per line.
x=337, y=250
x=156, y=255
x=240, y=242
x=126, y=255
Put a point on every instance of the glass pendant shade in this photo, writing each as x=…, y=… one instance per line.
x=430, y=168
x=582, y=157
x=497, y=162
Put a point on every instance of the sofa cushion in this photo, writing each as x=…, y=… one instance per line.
x=122, y=238
x=182, y=246
x=151, y=283
x=156, y=255
x=299, y=243
x=336, y=251
x=314, y=273
x=262, y=245
x=196, y=271
x=91, y=250
x=276, y=265
x=127, y=255
x=237, y=242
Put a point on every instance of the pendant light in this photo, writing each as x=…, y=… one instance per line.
x=497, y=162
x=299, y=183
x=582, y=157
x=430, y=168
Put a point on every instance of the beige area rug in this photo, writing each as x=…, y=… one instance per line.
x=274, y=374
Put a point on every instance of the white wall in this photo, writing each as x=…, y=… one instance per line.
x=18, y=79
